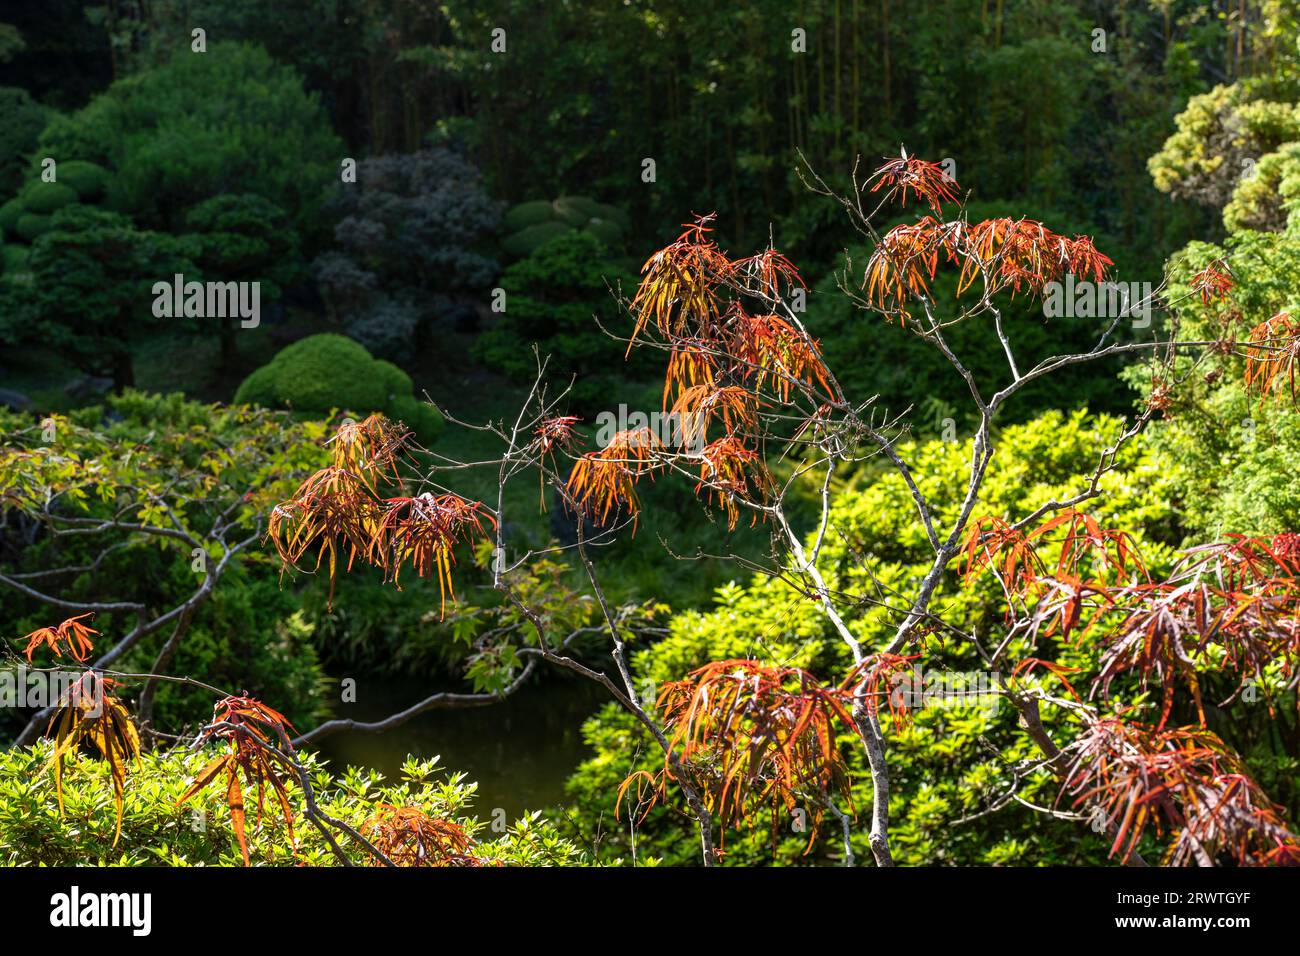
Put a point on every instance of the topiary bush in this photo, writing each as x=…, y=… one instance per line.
x=527, y=241
x=574, y=210
x=317, y=374
x=607, y=233
x=418, y=415
x=394, y=380
x=87, y=180
x=529, y=225
x=14, y=259
x=325, y=372
x=31, y=226
x=45, y=198
x=531, y=213
x=27, y=216
x=552, y=295
x=10, y=213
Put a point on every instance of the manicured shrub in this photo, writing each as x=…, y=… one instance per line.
x=259, y=388
x=10, y=213
x=320, y=373
x=608, y=233
x=14, y=258
x=527, y=241
x=612, y=214
x=574, y=210
x=86, y=179
x=31, y=226
x=394, y=380
x=326, y=372
x=532, y=213
x=418, y=415
x=530, y=225
x=45, y=198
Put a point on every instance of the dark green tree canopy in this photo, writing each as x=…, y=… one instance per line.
x=90, y=293
x=172, y=143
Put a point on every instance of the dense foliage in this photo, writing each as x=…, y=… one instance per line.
x=89, y=289
x=947, y=768
x=170, y=143
x=558, y=296
x=157, y=831
x=325, y=373
x=409, y=233
x=144, y=459
x=456, y=216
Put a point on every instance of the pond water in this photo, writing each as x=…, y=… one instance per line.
x=519, y=751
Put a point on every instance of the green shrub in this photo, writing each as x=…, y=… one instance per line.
x=258, y=388
x=553, y=295
x=532, y=213
x=527, y=241
x=395, y=382
x=45, y=198
x=86, y=179
x=530, y=225
x=326, y=372
x=10, y=213
x=608, y=233
x=574, y=210
x=582, y=205
x=14, y=258
x=612, y=214
x=21, y=122
x=31, y=226
x=941, y=768
x=157, y=830
x=320, y=373
x=425, y=420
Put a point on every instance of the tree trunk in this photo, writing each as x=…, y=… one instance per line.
x=123, y=371
x=229, y=352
